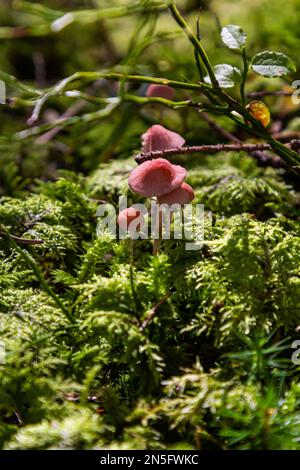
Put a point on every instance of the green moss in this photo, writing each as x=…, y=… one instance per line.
x=107, y=346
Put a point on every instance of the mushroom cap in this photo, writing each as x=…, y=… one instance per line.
x=181, y=195
x=160, y=91
x=159, y=138
x=156, y=177
x=126, y=216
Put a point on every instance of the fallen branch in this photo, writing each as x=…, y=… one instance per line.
x=250, y=148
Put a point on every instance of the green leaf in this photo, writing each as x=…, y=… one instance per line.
x=227, y=75
x=233, y=36
x=272, y=64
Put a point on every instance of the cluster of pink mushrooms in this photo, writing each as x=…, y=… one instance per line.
x=158, y=177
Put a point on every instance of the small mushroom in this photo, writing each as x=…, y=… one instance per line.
x=181, y=195
x=160, y=91
x=156, y=177
x=159, y=138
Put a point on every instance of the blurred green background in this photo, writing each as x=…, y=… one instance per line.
x=148, y=44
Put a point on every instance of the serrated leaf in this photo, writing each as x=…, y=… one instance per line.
x=226, y=74
x=233, y=36
x=272, y=64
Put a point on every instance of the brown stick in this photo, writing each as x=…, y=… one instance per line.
x=143, y=157
x=153, y=311
x=220, y=130
x=22, y=241
x=261, y=94
x=264, y=158
x=286, y=136
x=71, y=111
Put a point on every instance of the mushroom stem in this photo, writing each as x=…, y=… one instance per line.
x=131, y=249
x=156, y=246
x=158, y=232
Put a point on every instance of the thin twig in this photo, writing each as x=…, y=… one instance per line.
x=220, y=130
x=264, y=158
x=71, y=111
x=22, y=241
x=287, y=135
x=35, y=219
x=268, y=159
x=262, y=93
x=153, y=311
x=294, y=144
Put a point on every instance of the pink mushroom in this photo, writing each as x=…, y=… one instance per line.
x=159, y=138
x=160, y=91
x=127, y=216
x=181, y=195
x=156, y=177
